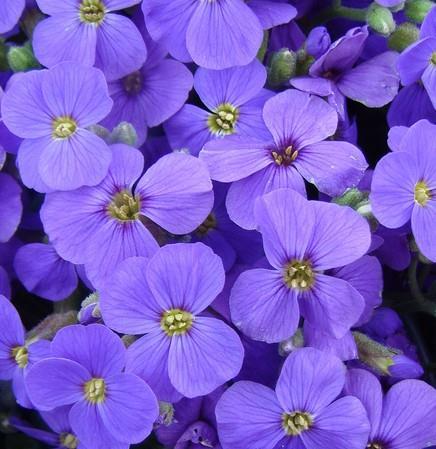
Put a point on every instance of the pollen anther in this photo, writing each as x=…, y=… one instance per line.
x=95, y=390
x=92, y=11
x=299, y=275
x=422, y=193
x=176, y=322
x=296, y=422
x=63, y=127
x=21, y=356
x=125, y=206
x=223, y=120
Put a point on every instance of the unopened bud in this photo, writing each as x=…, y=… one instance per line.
x=89, y=309
x=416, y=10
x=404, y=35
x=282, y=67
x=166, y=414
x=291, y=344
x=48, y=328
x=380, y=20
x=351, y=197
x=124, y=133
x=22, y=59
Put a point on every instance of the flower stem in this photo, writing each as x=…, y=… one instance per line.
x=336, y=10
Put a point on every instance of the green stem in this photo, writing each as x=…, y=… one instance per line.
x=338, y=11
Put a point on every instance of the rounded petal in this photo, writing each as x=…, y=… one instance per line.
x=423, y=223
x=299, y=119
x=209, y=41
x=80, y=160
x=129, y=306
x=320, y=378
x=185, y=276
x=10, y=13
x=11, y=207
x=120, y=47
x=341, y=237
x=130, y=408
x=248, y=415
x=332, y=305
x=54, y=382
x=286, y=221
x=43, y=272
x=63, y=37
x=262, y=307
x=95, y=347
x=271, y=13
x=206, y=357
x=392, y=189
x=181, y=205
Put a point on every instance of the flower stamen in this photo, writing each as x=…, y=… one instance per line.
x=176, y=322
x=63, y=127
x=299, y=275
x=68, y=440
x=285, y=157
x=21, y=356
x=422, y=193
x=125, y=206
x=95, y=390
x=92, y=11
x=223, y=121
x=296, y=423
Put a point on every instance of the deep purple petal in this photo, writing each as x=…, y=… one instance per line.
x=209, y=355
x=262, y=307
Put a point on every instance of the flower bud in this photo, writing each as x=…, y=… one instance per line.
x=351, y=197
x=90, y=309
x=48, y=328
x=124, y=133
x=318, y=41
x=282, y=67
x=380, y=20
x=3, y=56
x=22, y=59
x=292, y=343
x=416, y=10
x=404, y=35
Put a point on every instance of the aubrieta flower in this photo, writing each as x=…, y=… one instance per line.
x=87, y=32
x=295, y=150
x=183, y=352
x=303, y=412
x=101, y=226
x=335, y=74
x=110, y=408
x=302, y=239
x=42, y=272
x=404, y=186
x=16, y=354
x=61, y=435
x=215, y=34
x=51, y=110
x=234, y=98
x=418, y=61
x=11, y=207
x=10, y=12
x=403, y=418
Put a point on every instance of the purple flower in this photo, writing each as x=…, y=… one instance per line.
x=11, y=207
x=61, y=435
x=87, y=32
x=183, y=352
x=110, y=408
x=303, y=412
x=10, y=12
x=336, y=75
x=101, y=226
x=216, y=35
x=298, y=123
x=234, y=98
x=318, y=41
x=150, y=95
x=16, y=354
x=44, y=273
x=403, y=418
x=51, y=110
x=404, y=187
x=418, y=62
x=301, y=239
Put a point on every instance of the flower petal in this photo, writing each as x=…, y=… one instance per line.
x=423, y=221
x=11, y=207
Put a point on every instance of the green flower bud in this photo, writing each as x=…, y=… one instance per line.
x=22, y=59
x=304, y=61
x=124, y=133
x=351, y=197
x=264, y=47
x=405, y=34
x=282, y=67
x=416, y=10
x=380, y=20
x=292, y=343
x=47, y=328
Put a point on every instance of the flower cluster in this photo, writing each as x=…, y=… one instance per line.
x=218, y=224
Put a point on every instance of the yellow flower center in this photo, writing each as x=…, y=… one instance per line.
x=299, y=275
x=296, y=422
x=124, y=206
x=374, y=446
x=21, y=356
x=95, y=390
x=92, y=11
x=176, y=322
x=433, y=58
x=422, y=193
x=63, y=127
x=223, y=121
x=207, y=225
x=285, y=157
x=68, y=440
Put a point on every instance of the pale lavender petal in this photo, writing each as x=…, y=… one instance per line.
x=95, y=347
x=249, y=415
x=115, y=5
x=429, y=81
x=185, y=276
x=319, y=86
x=10, y=13
x=55, y=381
x=11, y=207
x=332, y=305
x=300, y=119
x=263, y=307
x=50, y=8
x=201, y=360
x=320, y=378
x=182, y=205
x=235, y=48
x=272, y=13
